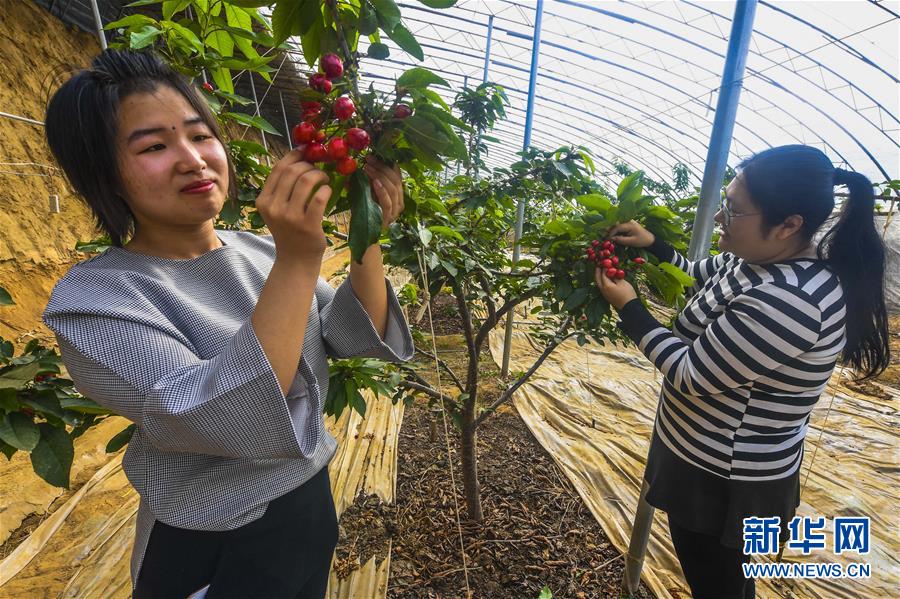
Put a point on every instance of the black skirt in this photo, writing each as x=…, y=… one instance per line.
x=709, y=504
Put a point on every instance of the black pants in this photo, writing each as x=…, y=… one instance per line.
x=286, y=553
x=712, y=570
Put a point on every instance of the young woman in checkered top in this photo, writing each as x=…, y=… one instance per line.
x=213, y=343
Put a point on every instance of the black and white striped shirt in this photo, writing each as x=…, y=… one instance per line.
x=744, y=363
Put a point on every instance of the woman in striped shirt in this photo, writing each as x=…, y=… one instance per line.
x=752, y=351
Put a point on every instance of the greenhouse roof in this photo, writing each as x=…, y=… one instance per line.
x=638, y=81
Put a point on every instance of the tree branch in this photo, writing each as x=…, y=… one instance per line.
x=468, y=330
x=488, y=300
x=489, y=323
x=446, y=368
x=521, y=380
x=426, y=389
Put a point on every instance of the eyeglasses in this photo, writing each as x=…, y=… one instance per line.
x=729, y=214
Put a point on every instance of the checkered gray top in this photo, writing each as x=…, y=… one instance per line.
x=169, y=345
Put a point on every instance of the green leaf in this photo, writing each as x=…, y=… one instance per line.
x=365, y=217
x=630, y=188
x=82, y=405
x=8, y=401
x=220, y=40
x=20, y=431
x=142, y=3
x=405, y=39
x=52, y=457
x=238, y=18
x=253, y=121
x=378, y=51
x=387, y=10
x=311, y=42
x=438, y=3
x=545, y=592
x=576, y=298
x=189, y=36
x=286, y=17
x=6, y=449
x=121, y=439
x=368, y=23
x=358, y=403
x=5, y=298
x=446, y=232
x=249, y=3
x=131, y=21
x=170, y=7
x=222, y=77
x=444, y=116
x=676, y=273
x=419, y=78
x=17, y=376
x=143, y=37
x=595, y=201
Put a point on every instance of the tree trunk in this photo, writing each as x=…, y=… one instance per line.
x=471, y=489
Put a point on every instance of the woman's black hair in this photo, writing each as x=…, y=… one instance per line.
x=800, y=180
x=81, y=127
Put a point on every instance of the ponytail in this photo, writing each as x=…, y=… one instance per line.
x=855, y=251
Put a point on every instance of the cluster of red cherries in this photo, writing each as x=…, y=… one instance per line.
x=319, y=148
x=603, y=254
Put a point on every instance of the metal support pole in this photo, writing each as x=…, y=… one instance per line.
x=263, y=133
x=520, y=207
x=723, y=127
x=484, y=79
x=99, y=23
x=287, y=129
x=487, y=50
x=710, y=196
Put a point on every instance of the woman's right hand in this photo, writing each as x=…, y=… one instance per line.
x=292, y=204
x=631, y=234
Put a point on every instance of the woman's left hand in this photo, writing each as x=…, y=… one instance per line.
x=388, y=188
x=617, y=292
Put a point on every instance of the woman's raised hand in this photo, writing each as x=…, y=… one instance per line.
x=292, y=204
x=631, y=234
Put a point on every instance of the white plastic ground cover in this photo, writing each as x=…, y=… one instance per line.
x=592, y=409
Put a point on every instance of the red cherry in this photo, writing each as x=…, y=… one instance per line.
x=402, y=111
x=344, y=108
x=208, y=87
x=607, y=244
x=357, y=138
x=615, y=260
x=332, y=65
x=346, y=165
x=639, y=260
x=620, y=274
x=337, y=148
x=607, y=263
x=595, y=243
x=605, y=253
x=611, y=273
x=310, y=110
x=315, y=152
x=303, y=133
x=320, y=82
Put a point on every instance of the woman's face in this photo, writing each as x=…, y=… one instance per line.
x=174, y=171
x=743, y=234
